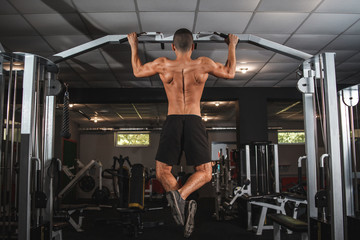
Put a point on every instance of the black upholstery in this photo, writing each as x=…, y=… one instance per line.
x=288, y=222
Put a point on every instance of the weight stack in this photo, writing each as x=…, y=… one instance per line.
x=137, y=186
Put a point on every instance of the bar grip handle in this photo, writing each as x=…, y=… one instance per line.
x=125, y=39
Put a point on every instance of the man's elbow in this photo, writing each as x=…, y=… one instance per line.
x=230, y=75
x=137, y=73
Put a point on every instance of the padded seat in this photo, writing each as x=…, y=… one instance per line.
x=288, y=222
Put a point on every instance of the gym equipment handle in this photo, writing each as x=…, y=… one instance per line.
x=126, y=39
x=223, y=35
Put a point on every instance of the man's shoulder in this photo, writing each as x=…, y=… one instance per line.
x=204, y=59
x=161, y=60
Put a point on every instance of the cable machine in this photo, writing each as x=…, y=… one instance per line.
x=26, y=201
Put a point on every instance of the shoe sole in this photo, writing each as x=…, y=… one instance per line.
x=190, y=222
x=175, y=210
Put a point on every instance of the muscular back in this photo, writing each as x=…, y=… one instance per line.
x=184, y=83
x=183, y=78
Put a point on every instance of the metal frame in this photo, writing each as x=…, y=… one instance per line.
x=348, y=97
x=306, y=86
x=26, y=147
x=49, y=135
x=2, y=96
x=156, y=37
x=30, y=144
x=279, y=207
x=333, y=133
x=318, y=67
x=79, y=175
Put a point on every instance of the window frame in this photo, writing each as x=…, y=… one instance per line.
x=131, y=132
x=291, y=131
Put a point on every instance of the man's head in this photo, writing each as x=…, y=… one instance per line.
x=183, y=40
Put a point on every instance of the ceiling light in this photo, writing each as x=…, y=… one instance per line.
x=95, y=120
x=243, y=70
x=217, y=104
x=205, y=118
x=71, y=105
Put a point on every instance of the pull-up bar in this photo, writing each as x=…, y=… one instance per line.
x=157, y=37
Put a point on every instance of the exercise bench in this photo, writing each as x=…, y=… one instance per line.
x=290, y=223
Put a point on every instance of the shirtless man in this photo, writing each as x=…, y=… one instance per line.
x=184, y=80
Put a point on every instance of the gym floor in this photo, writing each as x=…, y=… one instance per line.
x=206, y=226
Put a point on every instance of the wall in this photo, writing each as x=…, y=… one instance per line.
x=101, y=147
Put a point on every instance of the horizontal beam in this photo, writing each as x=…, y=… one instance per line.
x=155, y=37
x=154, y=95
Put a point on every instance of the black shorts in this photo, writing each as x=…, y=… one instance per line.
x=183, y=133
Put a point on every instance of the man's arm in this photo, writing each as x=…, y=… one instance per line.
x=140, y=70
x=227, y=70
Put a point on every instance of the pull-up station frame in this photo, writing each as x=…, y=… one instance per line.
x=156, y=37
x=320, y=67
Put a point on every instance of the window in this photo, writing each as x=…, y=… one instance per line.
x=126, y=139
x=291, y=137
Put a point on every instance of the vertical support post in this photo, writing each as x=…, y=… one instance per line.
x=248, y=176
x=256, y=171
x=276, y=166
x=48, y=141
x=346, y=153
x=2, y=96
x=306, y=86
x=248, y=171
x=26, y=147
x=331, y=107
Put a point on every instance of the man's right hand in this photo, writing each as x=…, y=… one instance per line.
x=132, y=38
x=232, y=39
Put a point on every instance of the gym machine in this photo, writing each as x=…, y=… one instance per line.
x=318, y=87
x=350, y=125
x=314, y=69
x=224, y=183
x=86, y=183
x=26, y=194
x=129, y=190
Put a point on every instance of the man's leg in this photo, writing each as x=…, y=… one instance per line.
x=202, y=175
x=164, y=175
x=168, y=181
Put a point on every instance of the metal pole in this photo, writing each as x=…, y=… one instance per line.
x=12, y=151
x=346, y=98
x=306, y=86
x=6, y=154
x=2, y=93
x=248, y=175
x=276, y=166
x=256, y=171
x=354, y=167
x=26, y=147
x=2, y=96
x=267, y=174
x=49, y=136
x=332, y=117
x=248, y=170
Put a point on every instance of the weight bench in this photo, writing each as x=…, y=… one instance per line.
x=71, y=209
x=290, y=223
x=57, y=230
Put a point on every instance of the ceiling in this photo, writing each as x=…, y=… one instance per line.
x=46, y=27
x=146, y=115
x=218, y=115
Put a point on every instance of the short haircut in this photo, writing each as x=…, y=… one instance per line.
x=183, y=40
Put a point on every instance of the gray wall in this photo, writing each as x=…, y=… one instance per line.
x=101, y=147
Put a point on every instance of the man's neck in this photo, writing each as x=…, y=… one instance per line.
x=183, y=56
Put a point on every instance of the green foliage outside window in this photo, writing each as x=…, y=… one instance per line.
x=291, y=137
x=132, y=139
